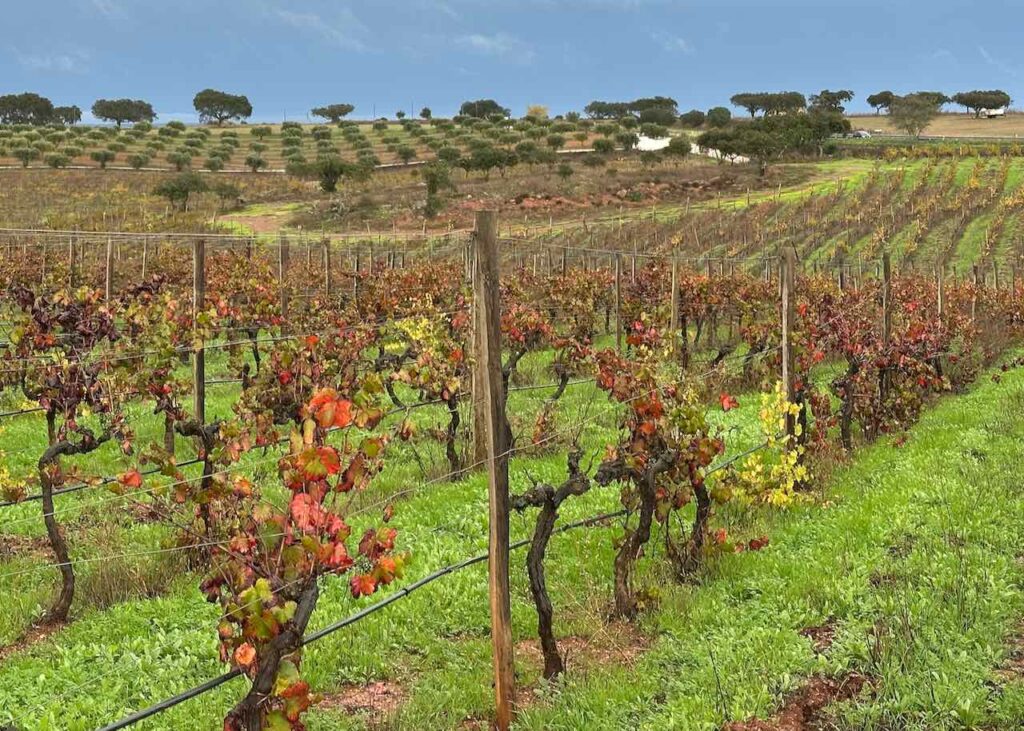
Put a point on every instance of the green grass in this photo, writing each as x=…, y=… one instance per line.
x=920, y=540
x=971, y=244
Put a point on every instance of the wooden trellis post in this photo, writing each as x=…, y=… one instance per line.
x=886, y=298
x=883, y=383
x=618, y=302
x=199, y=354
x=109, y=277
x=71, y=262
x=674, y=320
x=787, y=280
x=283, y=259
x=491, y=394
x=977, y=289
x=355, y=276
x=327, y=267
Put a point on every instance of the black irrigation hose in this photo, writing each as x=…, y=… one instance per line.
x=341, y=624
x=373, y=608
x=172, y=702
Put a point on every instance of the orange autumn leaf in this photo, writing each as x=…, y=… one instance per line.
x=245, y=655
x=362, y=585
x=132, y=479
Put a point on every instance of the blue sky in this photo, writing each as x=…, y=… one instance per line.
x=384, y=55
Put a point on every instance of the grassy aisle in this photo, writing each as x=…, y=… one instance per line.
x=912, y=562
x=916, y=567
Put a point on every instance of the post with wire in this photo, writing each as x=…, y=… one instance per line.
x=491, y=394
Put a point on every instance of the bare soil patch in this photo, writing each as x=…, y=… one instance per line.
x=378, y=700
x=806, y=709
x=32, y=636
x=617, y=643
x=821, y=636
x=23, y=546
x=1012, y=668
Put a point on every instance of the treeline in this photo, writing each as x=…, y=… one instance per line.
x=973, y=101
x=36, y=110
x=217, y=107
x=28, y=108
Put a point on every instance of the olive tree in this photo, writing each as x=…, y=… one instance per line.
x=120, y=111
x=103, y=157
x=975, y=101
x=217, y=107
x=881, y=100
x=178, y=189
x=719, y=117
x=914, y=112
x=333, y=113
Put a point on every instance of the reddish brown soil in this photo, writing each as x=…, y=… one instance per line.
x=377, y=700
x=617, y=643
x=22, y=547
x=1012, y=668
x=822, y=636
x=33, y=635
x=642, y=193
x=260, y=224
x=806, y=709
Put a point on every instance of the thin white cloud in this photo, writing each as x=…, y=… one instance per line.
x=439, y=6
x=571, y=4
x=114, y=10
x=110, y=8
x=62, y=63
x=671, y=43
x=346, y=30
x=997, y=63
x=500, y=45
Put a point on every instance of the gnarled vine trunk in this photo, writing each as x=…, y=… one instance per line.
x=247, y=715
x=49, y=467
x=207, y=436
x=689, y=558
x=563, y=381
x=628, y=553
x=169, y=433
x=59, y=611
x=634, y=540
x=509, y=368
x=845, y=386
x=549, y=500
x=545, y=524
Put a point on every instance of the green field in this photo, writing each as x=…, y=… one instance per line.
x=916, y=578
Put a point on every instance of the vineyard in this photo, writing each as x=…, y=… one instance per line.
x=633, y=419
x=256, y=148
